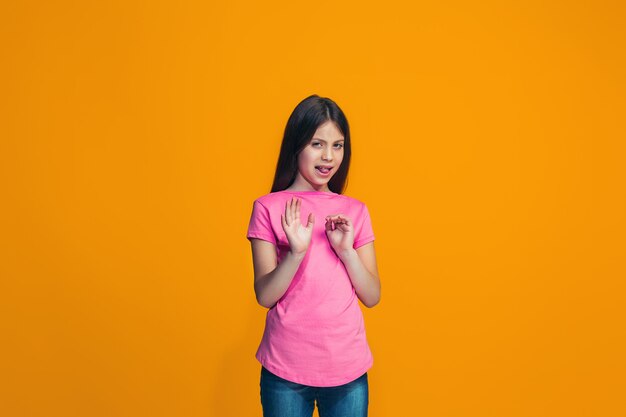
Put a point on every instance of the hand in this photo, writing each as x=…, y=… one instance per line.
x=298, y=236
x=340, y=232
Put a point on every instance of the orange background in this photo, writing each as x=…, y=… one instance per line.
x=488, y=142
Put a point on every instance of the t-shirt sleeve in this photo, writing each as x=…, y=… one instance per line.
x=363, y=232
x=260, y=226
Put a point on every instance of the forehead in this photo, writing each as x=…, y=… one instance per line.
x=328, y=131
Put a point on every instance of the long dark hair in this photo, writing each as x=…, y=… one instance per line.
x=308, y=115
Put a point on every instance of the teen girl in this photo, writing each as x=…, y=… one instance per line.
x=314, y=348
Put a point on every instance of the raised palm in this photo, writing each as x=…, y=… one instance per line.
x=299, y=236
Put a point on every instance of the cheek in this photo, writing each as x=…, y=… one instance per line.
x=306, y=164
x=307, y=161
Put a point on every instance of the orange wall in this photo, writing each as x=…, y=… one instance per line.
x=488, y=143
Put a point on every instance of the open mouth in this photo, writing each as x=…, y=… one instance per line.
x=323, y=171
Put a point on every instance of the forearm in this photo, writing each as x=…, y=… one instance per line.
x=366, y=284
x=272, y=286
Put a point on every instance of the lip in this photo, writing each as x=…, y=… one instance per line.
x=321, y=174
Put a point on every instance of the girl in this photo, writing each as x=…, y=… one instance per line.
x=314, y=347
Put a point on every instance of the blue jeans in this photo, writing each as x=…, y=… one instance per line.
x=282, y=398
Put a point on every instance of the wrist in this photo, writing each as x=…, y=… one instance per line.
x=346, y=253
x=296, y=255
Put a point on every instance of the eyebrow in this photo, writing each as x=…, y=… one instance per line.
x=322, y=140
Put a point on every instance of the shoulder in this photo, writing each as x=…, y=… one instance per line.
x=355, y=203
x=270, y=199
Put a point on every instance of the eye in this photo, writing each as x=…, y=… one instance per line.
x=337, y=145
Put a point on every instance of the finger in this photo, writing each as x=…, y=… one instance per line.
x=311, y=220
x=292, y=209
x=287, y=216
x=335, y=216
x=345, y=220
x=343, y=226
x=336, y=220
x=329, y=225
x=296, y=213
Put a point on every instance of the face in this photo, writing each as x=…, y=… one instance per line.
x=320, y=158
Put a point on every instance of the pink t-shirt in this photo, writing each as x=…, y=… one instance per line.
x=315, y=333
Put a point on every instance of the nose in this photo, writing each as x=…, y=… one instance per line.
x=328, y=154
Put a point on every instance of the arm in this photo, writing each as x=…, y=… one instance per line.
x=271, y=280
x=363, y=271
